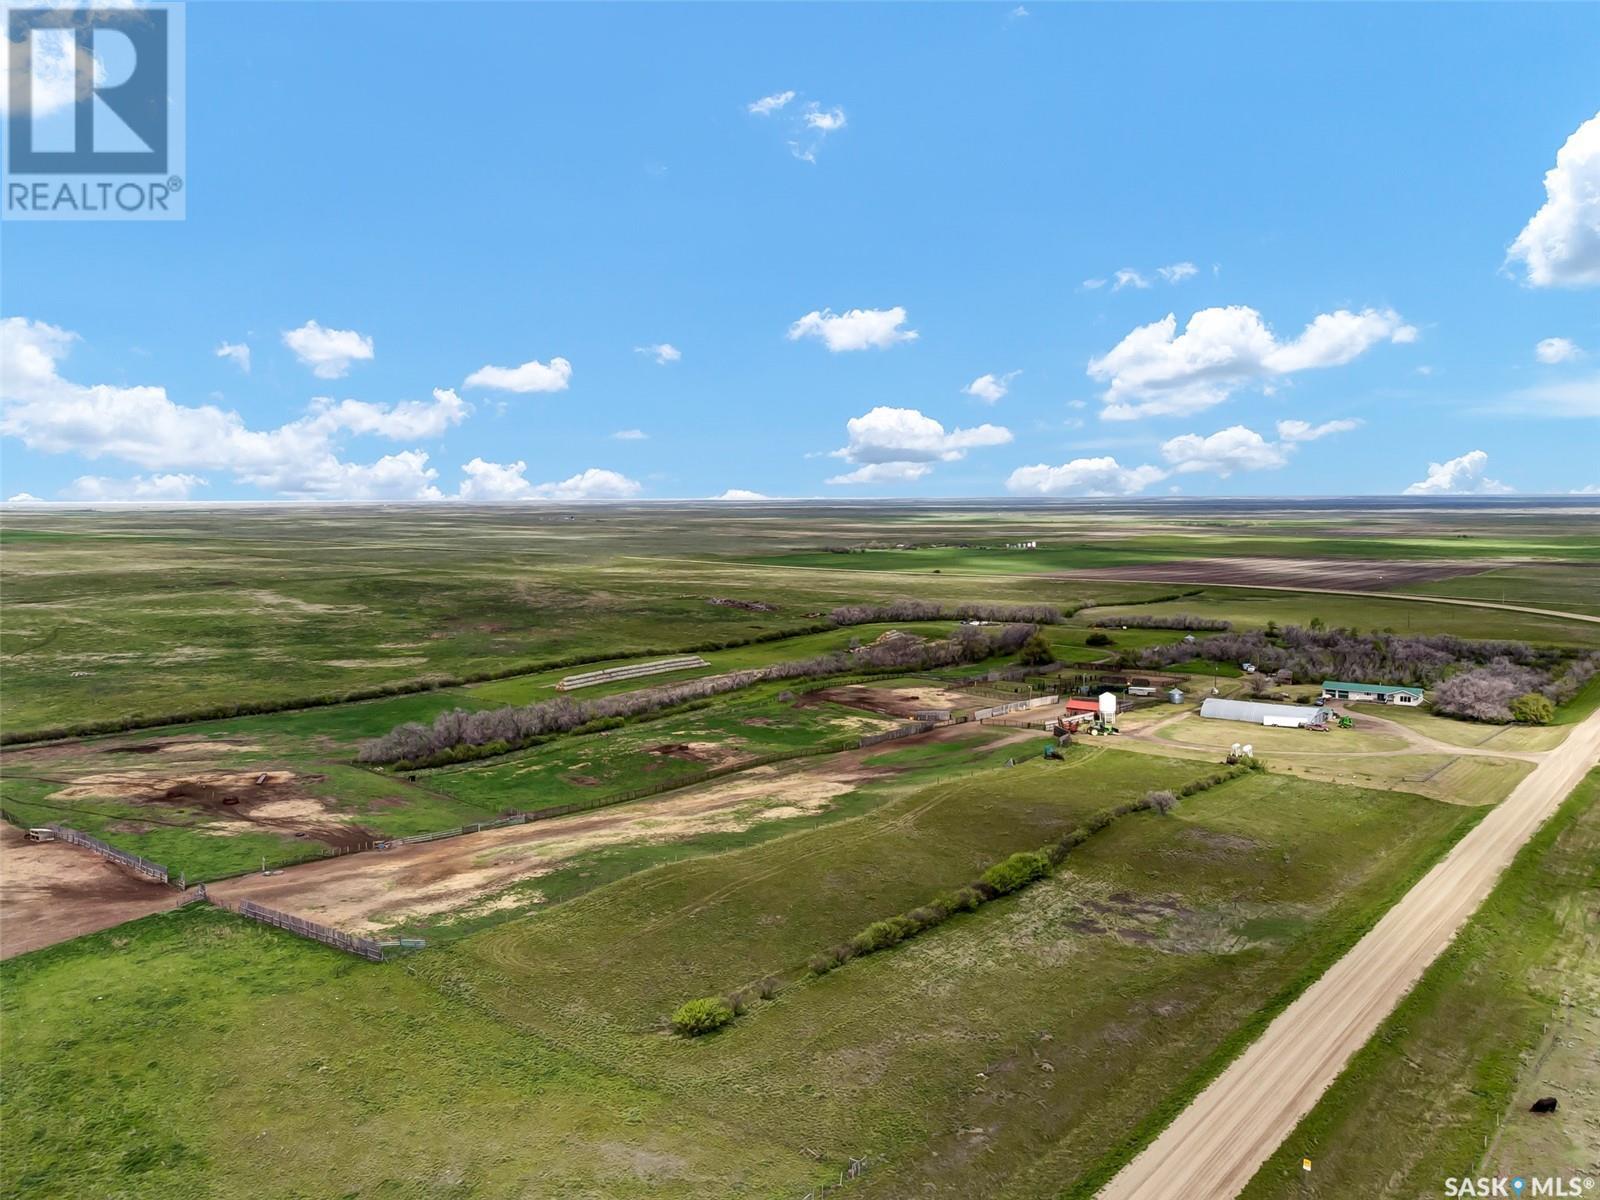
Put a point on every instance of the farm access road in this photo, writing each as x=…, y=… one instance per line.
x=1218, y=1143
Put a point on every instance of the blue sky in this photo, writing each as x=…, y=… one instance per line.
x=451, y=234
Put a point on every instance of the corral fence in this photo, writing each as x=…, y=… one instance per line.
x=134, y=862
x=1000, y=710
x=337, y=938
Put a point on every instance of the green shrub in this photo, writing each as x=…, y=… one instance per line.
x=1532, y=709
x=1020, y=869
x=698, y=1017
x=1036, y=652
x=1098, y=639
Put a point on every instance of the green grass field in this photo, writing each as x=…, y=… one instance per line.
x=1507, y=1014
x=1023, y=1050
x=195, y=1054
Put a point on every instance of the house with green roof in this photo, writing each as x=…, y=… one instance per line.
x=1375, y=693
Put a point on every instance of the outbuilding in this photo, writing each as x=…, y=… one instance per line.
x=1373, y=693
x=1256, y=712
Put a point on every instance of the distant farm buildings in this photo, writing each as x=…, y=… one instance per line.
x=1375, y=693
x=1256, y=712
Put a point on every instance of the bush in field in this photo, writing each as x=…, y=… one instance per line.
x=1017, y=871
x=1036, y=652
x=698, y=1017
x=1098, y=639
x=1532, y=709
x=1162, y=802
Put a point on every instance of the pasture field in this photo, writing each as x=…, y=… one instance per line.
x=649, y=753
x=192, y=1053
x=115, y=614
x=1509, y=1013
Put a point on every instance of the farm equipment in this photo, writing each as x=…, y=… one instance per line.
x=1051, y=750
x=1346, y=723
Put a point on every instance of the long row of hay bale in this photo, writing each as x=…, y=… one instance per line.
x=610, y=674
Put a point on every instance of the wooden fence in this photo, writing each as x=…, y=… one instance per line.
x=337, y=938
x=133, y=862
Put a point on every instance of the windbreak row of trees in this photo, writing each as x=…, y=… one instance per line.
x=928, y=610
x=1312, y=655
x=1507, y=691
x=517, y=725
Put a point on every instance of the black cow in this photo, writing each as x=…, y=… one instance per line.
x=1545, y=1104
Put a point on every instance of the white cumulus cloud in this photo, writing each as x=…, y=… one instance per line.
x=662, y=352
x=1156, y=371
x=1305, y=431
x=99, y=488
x=1458, y=476
x=405, y=421
x=143, y=426
x=824, y=120
x=991, y=389
x=531, y=376
x=768, y=105
x=1178, y=272
x=237, y=353
x=857, y=329
x=905, y=435
x=889, y=472
x=733, y=494
x=1224, y=452
x=1560, y=245
x=1083, y=477
x=491, y=481
x=328, y=352
x=1557, y=350
x=1128, y=277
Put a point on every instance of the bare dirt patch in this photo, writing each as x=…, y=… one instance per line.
x=229, y=802
x=710, y=754
x=1370, y=575
x=891, y=702
x=371, y=891
x=53, y=891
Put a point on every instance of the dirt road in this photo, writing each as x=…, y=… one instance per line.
x=1216, y=1144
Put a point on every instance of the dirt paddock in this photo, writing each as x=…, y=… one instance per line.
x=225, y=802
x=890, y=701
x=1370, y=575
x=52, y=891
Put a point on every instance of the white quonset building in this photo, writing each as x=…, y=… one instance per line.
x=1255, y=712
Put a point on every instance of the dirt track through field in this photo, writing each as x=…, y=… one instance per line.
x=1216, y=1144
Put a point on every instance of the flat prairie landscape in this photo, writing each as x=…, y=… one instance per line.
x=959, y=955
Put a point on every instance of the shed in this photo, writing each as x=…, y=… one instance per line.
x=1255, y=712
